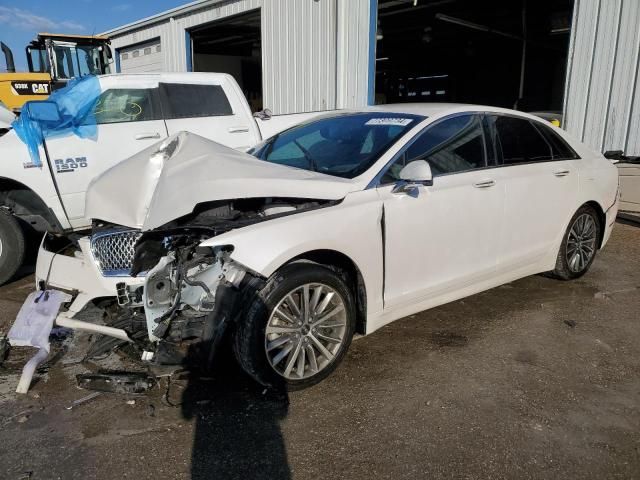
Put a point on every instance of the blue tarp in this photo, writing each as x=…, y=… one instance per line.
x=75, y=103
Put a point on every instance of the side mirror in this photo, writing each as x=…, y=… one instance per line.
x=417, y=171
x=42, y=111
x=616, y=155
x=263, y=114
x=413, y=175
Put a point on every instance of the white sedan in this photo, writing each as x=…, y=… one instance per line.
x=334, y=227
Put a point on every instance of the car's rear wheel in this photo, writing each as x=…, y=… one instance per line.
x=12, y=246
x=298, y=327
x=579, y=245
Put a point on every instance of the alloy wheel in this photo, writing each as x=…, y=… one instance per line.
x=581, y=242
x=305, y=331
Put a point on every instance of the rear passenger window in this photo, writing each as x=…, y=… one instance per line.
x=189, y=101
x=126, y=105
x=560, y=148
x=519, y=141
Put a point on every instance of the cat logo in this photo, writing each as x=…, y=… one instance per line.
x=40, y=88
x=31, y=88
x=70, y=164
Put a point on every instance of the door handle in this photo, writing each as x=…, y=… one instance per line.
x=144, y=136
x=562, y=173
x=485, y=184
x=240, y=129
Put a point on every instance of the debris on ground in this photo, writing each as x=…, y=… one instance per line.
x=82, y=400
x=570, y=323
x=116, y=382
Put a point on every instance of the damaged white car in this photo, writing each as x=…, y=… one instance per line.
x=331, y=228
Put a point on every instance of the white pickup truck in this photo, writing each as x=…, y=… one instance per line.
x=132, y=112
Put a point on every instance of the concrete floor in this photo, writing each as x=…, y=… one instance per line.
x=535, y=379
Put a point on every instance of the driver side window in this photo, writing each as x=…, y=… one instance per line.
x=126, y=105
x=450, y=146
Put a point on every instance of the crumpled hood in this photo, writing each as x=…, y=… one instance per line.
x=167, y=180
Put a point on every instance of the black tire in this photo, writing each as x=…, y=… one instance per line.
x=249, y=335
x=563, y=271
x=12, y=246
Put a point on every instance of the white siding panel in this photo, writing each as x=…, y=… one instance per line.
x=353, y=53
x=626, y=69
x=602, y=72
x=299, y=55
x=602, y=104
x=584, y=38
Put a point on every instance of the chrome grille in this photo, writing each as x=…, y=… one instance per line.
x=113, y=251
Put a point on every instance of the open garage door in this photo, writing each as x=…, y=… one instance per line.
x=507, y=53
x=142, y=58
x=232, y=45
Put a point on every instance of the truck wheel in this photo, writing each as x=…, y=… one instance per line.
x=297, y=329
x=12, y=246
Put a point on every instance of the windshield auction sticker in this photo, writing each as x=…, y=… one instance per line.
x=401, y=122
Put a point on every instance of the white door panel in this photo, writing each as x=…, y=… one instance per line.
x=76, y=161
x=445, y=238
x=539, y=197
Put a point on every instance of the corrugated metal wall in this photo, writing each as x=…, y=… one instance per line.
x=353, y=52
x=314, y=52
x=299, y=55
x=602, y=99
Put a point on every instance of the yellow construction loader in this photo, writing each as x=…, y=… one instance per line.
x=53, y=59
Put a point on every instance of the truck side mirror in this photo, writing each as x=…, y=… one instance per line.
x=42, y=111
x=614, y=155
x=263, y=114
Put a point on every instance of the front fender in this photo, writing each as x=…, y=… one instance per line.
x=351, y=228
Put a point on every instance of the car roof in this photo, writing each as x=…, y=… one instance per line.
x=430, y=110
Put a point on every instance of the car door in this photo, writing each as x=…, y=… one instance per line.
x=444, y=237
x=207, y=110
x=541, y=187
x=128, y=120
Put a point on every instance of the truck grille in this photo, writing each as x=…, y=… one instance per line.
x=113, y=251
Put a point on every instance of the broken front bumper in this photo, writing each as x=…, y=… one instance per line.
x=79, y=276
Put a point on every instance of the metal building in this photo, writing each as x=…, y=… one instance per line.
x=575, y=58
x=288, y=55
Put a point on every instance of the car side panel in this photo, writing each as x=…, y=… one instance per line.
x=352, y=228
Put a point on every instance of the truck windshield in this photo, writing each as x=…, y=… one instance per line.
x=345, y=145
x=77, y=60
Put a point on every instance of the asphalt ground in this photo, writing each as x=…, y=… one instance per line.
x=535, y=379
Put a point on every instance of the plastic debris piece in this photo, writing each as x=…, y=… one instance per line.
x=35, y=319
x=32, y=328
x=82, y=400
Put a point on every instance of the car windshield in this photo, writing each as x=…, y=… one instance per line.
x=344, y=146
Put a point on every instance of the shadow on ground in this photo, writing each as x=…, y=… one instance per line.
x=237, y=424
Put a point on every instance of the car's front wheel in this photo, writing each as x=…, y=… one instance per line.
x=297, y=328
x=579, y=245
